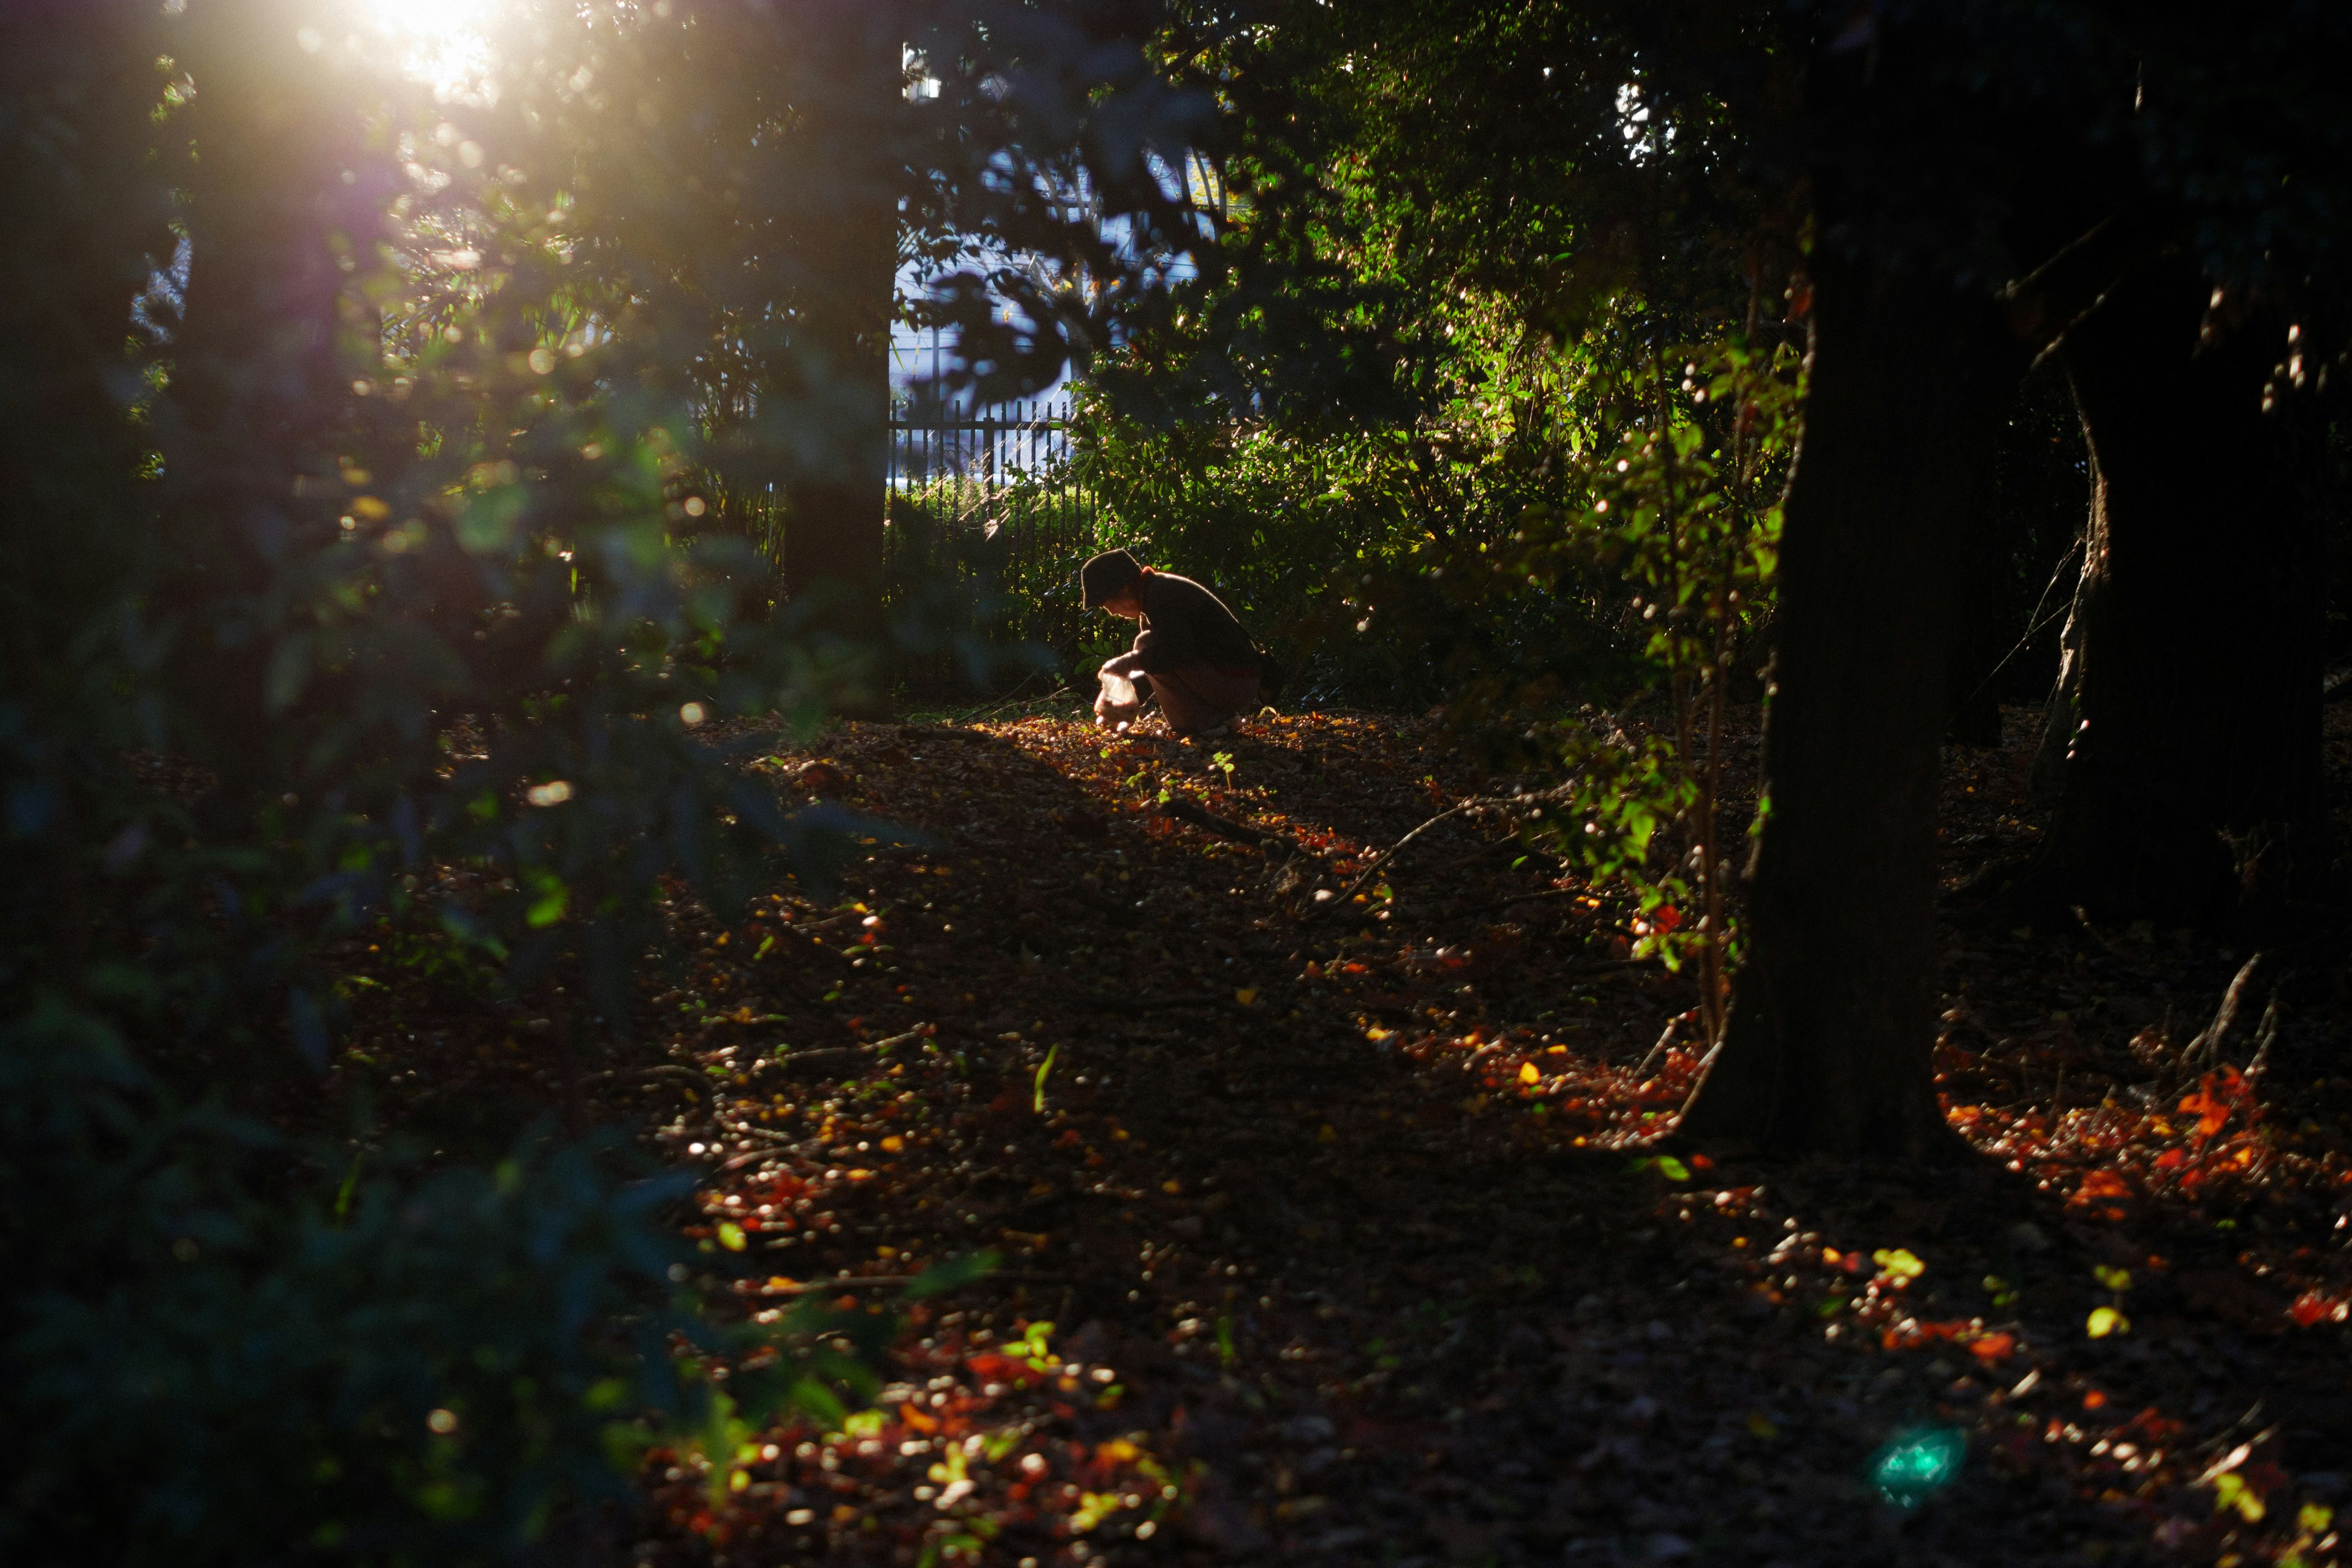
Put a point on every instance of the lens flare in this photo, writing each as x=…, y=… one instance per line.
x=445, y=43
x=1919, y=1463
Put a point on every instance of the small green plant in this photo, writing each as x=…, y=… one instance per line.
x=1682, y=510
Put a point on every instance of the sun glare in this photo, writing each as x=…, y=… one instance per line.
x=442, y=42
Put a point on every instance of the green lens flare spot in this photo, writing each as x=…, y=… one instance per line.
x=1917, y=1464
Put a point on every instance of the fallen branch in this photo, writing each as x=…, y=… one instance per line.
x=1226, y=827
x=2209, y=1042
x=1668, y=1034
x=1476, y=803
x=846, y=1053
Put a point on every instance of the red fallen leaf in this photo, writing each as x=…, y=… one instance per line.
x=2172, y=1160
x=2310, y=1307
x=1991, y=1348
x=1665, y=917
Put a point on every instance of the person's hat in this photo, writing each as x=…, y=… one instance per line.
x=1106, y=574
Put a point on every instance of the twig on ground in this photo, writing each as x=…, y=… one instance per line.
x=2209, y=1042
x=844, y=1053
x=1226, y=827
x=1667, y=1034
x=1476, y=803
x=2265, y=1036
x=979, y=715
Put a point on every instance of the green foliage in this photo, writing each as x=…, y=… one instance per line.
x=1690, y=520
x=412, y=1364
x=370, y=583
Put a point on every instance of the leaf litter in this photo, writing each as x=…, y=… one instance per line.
x=1325, y=1225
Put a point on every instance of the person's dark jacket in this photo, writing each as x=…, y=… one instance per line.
x=1184, y=625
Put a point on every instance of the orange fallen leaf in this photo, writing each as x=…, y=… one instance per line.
x=2102, y=1184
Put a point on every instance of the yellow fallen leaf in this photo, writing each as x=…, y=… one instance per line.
x=1900, y=1262
x=1528, y=1073
x=730, y=1236
x=893, y=1143
x=782, y=1283
x=1245, y=996
x=1329, y=1135
x=2105, y=1321
x=1172, y=1186
x=1376, y=1036
x=861, y=1176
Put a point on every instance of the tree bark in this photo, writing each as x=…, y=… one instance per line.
x=2183, y=745
x=1831, y=1030
x=262, y=355
x=833, y=526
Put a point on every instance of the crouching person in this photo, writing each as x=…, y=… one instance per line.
x=1189, y=652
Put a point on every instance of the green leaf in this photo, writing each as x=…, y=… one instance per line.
x=1043, y=1068
x=953, y=1274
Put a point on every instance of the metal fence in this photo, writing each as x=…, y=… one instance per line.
x=986, y=506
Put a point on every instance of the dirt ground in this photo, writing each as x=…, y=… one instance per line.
x=1324, y=1234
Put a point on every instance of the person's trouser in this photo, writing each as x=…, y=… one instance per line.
x=1197, y=697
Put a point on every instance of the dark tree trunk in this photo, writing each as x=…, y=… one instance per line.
x=1833, y=1025
x=262, y=355
x=2184, y=743
x=834, y=533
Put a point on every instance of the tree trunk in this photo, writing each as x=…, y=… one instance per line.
x=1832, y=1027
x=2184, y=743
x=833, y=533
x=262, y=356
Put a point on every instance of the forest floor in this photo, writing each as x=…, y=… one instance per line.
x=1319, y=1236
